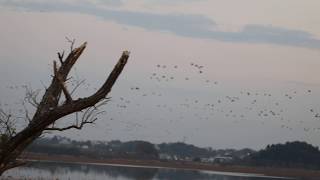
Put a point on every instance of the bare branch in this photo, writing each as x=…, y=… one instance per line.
x=27, y=117
x=72, y=126
x=44, y=86
x=78, y=84
x=60, y=56
x=89, y=116
x=71, y=42
x=31, y=96
x=77, y=118
x=6, y=124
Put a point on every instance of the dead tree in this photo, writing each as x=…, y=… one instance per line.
x=50, y=108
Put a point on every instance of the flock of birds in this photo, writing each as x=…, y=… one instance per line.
x=172, y=108
x=261, y=106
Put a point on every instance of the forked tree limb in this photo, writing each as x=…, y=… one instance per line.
x=83, y=103
x=51, y=97
x=49, y=111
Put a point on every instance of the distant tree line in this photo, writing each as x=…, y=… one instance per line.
x=291, y=154
x=131, y=150
x=98, y=150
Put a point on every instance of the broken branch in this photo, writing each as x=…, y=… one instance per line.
x=63, y=86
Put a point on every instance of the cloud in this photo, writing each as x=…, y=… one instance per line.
x=268, y=34
x=302, y=84
x=168, y=2
x=37, y=3
x=110, y=2
x=176, y=23
x=186, y=25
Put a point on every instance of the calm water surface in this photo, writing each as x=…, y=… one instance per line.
x=61, y=171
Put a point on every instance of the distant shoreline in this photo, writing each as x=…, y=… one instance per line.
x=228, y=169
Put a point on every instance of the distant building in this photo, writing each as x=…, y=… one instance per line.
x=85, y=147
x=188, y=159
x=163, y=156
x=208, y=160
x=65, y=141
x=222, y=159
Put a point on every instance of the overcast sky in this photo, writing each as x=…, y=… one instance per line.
x=259, y=83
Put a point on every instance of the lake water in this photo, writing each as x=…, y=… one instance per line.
x=66, y=171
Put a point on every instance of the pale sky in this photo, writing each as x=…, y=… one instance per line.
x=259, y=58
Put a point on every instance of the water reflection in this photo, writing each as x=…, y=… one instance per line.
x=68, y=171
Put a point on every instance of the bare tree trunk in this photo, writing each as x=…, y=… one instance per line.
x=49, y=110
